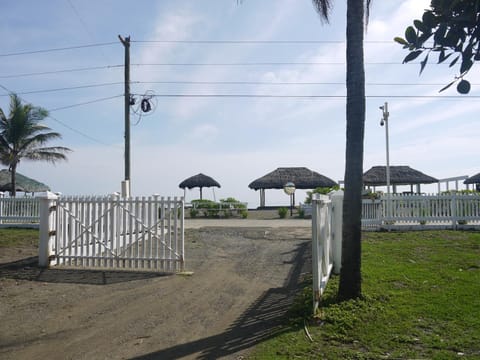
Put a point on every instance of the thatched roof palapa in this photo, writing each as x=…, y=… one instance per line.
x=23, y=183
x=200, y=181
x=399, y=175
x=302, y=177
x=475, y=179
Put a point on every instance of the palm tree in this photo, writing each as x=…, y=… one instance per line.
x=350, y=275
x=23, y=137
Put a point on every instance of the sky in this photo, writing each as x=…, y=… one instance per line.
x=239, y=89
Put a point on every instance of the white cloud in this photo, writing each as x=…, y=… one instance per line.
x=203, y=133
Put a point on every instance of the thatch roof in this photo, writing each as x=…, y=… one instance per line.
x=200, y=181
x=23, y=183
x=399, y=175
x=302, y=177
x=475, y=179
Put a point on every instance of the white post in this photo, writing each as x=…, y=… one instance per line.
x=453, y=207
x=1, y=206
x=45, y=246
x=384, y=121
x=337, y=209
x=125, y=189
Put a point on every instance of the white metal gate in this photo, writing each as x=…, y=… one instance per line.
x=111, y=232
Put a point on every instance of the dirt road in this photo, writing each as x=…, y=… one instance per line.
x=242, y=284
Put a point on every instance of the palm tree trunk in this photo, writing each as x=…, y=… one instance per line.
x=350, y=276
x=13, y=193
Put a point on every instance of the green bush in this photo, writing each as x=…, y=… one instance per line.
x=224, y=208
x=244, y=214
x=193, y=213
x=301, y=212
x=282, y=212
x=319, y=190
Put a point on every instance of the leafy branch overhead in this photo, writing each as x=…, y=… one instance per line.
x=451, y=30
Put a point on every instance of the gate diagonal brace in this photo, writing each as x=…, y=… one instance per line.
x=89, y=230
x=154, y=237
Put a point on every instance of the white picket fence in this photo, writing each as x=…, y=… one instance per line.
x=448, y=211
x=326, y=241
x=442, y=211
x=19, y=211
x=111, y=232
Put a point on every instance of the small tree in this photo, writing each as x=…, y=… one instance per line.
x=450, y=29
x=23, y=137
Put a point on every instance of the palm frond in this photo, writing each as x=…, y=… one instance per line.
x=323, y=8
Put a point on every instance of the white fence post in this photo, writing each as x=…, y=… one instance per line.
x=1, y=207
x=45, y=245
x=337, y=216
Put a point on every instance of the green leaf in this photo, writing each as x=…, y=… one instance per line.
x=411, y=35
x=401, y=41
x=412, y=56
x=429, y=19
x=423, y=63
x=463, y=87
x=420, y=26
x=442, y=57
x=447, y=86
x=466, y=65
x=439, y=36
x=423, y=38
x=454, y=61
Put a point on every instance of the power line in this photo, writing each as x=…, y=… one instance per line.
x=62, y=123
x=173, y=82
x=236, y=42
x=85, y=103
x=82, y=133
x=456, y=97
x=219, y=83
x=60, y=71
x=65, y=88
x=196, y=64
x=30, y=52
x=241, y=42
x=270, y=63
x=278, y=83
x=84, y=25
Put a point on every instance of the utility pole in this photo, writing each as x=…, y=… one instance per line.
x=384, y=121
x=126, y=182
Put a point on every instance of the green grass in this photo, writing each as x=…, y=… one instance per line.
x=18, y=237
x=421, y=300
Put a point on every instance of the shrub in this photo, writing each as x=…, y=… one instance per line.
x=301, y=212
x=282, y=212
x=193, y=212
x=319, y=190
x=244, y=214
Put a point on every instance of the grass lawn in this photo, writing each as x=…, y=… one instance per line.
x=18, y=237
x=421, y=301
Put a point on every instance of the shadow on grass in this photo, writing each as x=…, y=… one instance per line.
x=28, y=269
x=263, y=320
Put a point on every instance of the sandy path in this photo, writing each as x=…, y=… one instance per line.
x=242, y=284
